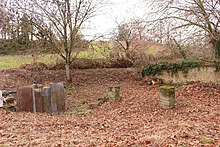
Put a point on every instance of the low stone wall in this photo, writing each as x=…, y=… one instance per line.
x=204, y=74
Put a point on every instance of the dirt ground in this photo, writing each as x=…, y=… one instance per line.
x=137, y=120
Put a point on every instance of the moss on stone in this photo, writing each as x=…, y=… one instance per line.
x=114, y=93
x=167, y=88
x=167, y=96
x=167, y=91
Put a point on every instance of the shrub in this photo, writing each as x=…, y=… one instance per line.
x=121, y=63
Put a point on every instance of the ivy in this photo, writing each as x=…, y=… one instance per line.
x=172, y=68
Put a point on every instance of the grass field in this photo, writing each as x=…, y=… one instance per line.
x=100, y=50
x=15, y=61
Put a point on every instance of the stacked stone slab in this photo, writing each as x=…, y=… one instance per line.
x=8, y=99
x=41, y=99
x=25, y=98
x=57, y=97
x=167, y=97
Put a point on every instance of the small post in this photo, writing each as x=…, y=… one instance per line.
x=114, y=93
x=167, y=97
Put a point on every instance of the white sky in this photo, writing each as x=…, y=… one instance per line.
x=119, y=11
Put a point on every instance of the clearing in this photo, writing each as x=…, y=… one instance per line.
x=135, y=121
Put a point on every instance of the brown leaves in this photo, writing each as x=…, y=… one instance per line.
x=136, y=120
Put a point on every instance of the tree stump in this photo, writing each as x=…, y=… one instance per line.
x=167, y=97
x=114, y=93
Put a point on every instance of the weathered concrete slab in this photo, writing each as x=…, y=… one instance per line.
x=36, y=98
x=39, y=100
x=57, y=97
x=47, y=100
x=25, y=99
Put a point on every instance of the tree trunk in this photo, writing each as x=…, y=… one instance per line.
x=216, y=44
x=68, y=73
x=68, y=62
x=181, y=50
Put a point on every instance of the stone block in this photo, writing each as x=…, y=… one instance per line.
x=167, y=97
x=114, y=93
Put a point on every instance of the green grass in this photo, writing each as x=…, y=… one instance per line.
x=92, y=54
x=15, y=61
x=98, y=50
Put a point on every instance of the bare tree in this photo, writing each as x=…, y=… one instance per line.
x=193, y=18
x=61, y=22
x=128, y=34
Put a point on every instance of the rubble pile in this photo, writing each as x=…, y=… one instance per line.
x=8, y=99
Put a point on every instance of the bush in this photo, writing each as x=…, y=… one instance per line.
x=81, y=63
x=121, y=63
x=6, y=51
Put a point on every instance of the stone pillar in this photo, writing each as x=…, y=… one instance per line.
x=114, y=93
x=167, y=97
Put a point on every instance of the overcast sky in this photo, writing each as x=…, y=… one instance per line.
x=120, y=10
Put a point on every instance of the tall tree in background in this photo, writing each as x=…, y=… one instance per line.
x=3, y=18
x=198, y=17
x=24, y=30
x=1, y=12
x=14, y=25
x=124, y=34
x=128, y=34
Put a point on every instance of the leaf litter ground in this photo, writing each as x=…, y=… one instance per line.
x=135, y=121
